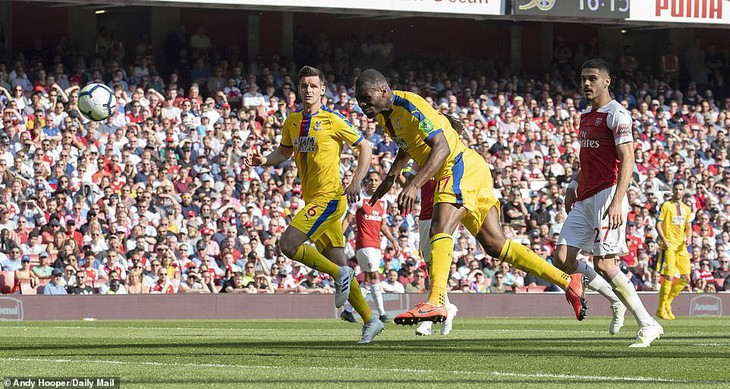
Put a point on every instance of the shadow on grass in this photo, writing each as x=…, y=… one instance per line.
x=553, y=347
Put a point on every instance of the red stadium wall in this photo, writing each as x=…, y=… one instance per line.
x=574, y=34
x=719, y=37
x=531, y=48
x=271, y=33
x=224, y=27
x=33, y=21
x=224, y=306
x=468, y=37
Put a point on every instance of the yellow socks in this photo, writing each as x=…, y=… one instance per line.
x=677, y=287
x=664, y=293
x=442, y=253
x=525, y=259
x=357, y=300
x=312, y=258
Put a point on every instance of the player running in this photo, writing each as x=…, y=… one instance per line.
x=675, y=233
x=463, y=192
x=597, y=221
x=370, y=221
x=314, y=136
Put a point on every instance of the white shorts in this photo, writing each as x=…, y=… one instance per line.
x=587, y=230
x=425, y=239
x=369, y=258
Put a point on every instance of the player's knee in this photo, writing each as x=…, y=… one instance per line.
x=371, y=277
x=492, y=241
x=493, y=245
x=604, y=266
x=288, y=250
x=561, y=256
x=435, y=228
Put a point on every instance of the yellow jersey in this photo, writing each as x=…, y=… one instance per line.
x=411, y=121
x=675, y=222
x=317, y=142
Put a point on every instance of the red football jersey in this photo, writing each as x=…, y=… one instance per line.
x=427, y=192
x=368, y=219
x=599, y=133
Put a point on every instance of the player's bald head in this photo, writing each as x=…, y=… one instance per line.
x=371, y=79
x=373, y=93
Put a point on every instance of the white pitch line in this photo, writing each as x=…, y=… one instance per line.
x=148, y=328
x=711, y=344
x=330, y=368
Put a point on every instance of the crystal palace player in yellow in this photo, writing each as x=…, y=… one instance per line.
x=675, y=233
x=464, y=192
x=315, y=135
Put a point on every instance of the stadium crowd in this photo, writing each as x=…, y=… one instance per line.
x=156, y=199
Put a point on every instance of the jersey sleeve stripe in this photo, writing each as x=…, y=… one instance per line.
x=433, y=133
x=339, y=115
x=408, y=106
x=358, y=140
x=458, y=172
x=349, y=124
x=331, y=207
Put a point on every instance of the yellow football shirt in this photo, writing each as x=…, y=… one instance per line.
x=317, y=141
x=411, y=121
x=675, y=218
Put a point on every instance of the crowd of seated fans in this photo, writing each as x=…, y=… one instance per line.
x=156, y=199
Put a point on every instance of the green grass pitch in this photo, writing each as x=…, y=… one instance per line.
x=509, y=352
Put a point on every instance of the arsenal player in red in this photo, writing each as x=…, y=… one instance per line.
x=597, y=221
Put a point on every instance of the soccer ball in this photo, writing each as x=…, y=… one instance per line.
x=97, y=102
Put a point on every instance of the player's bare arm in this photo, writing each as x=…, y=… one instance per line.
x=626, y=156
x=570, y=192
x=363, y=164
x=389, y=235
x=346, y=221
x=279, y=155
x=436, y=158
x=400, y=162
x=660, y=233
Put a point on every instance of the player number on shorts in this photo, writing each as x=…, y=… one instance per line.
x=443, y=183
x=598, y=232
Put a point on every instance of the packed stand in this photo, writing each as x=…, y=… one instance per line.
x=156, y=198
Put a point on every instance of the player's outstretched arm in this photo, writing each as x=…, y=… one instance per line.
x=279, y=155
x=363, y=165
x=400, y=162
x=436, y=158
